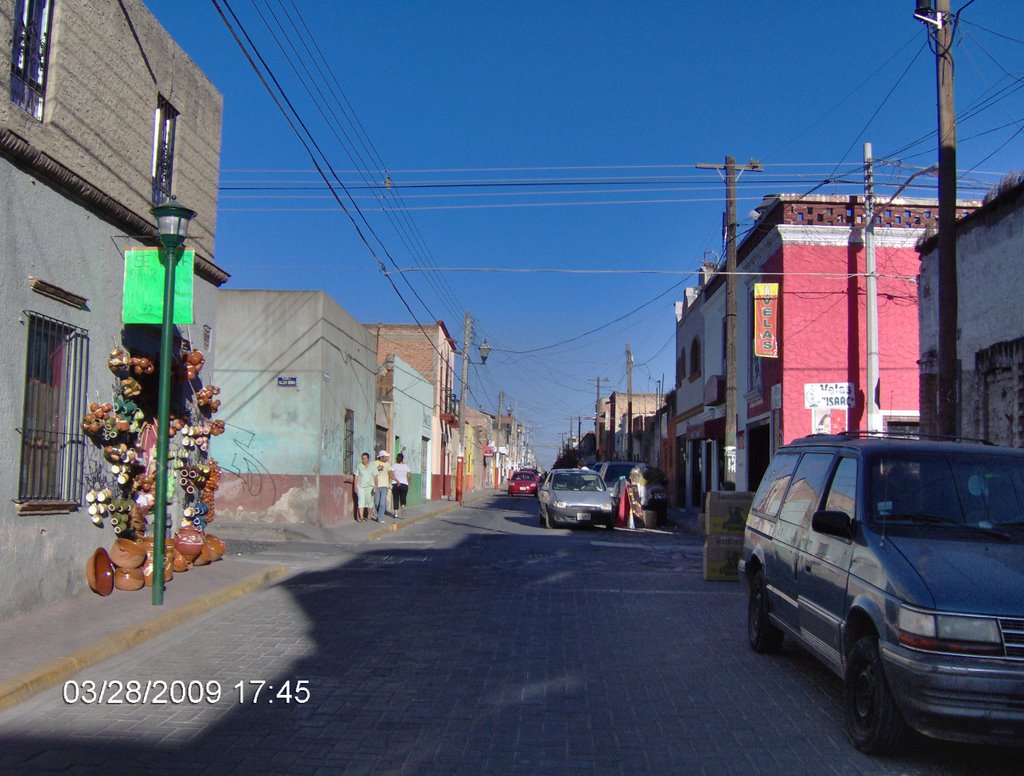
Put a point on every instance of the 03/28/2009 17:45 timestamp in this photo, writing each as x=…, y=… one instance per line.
x=178, y=692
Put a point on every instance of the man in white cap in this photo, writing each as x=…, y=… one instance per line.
x=382, y=485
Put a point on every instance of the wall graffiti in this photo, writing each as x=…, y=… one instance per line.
x=245, y=465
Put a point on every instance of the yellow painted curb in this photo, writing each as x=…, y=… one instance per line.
x=22, y=688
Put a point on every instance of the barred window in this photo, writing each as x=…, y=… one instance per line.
x=52, y=444
x=29, y=54
x=164, y=121
x=347, y=453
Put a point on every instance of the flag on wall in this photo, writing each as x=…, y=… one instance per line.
x=766, y=320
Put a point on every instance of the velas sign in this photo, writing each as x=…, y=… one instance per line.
x=766, y=320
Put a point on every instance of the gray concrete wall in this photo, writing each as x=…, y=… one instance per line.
x=44, y=235
x=108, y=63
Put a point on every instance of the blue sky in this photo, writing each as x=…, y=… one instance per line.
x=563, y=136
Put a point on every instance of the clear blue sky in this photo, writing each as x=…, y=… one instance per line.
x=598, y=112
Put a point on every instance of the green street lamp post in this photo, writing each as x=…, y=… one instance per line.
x=172, y=223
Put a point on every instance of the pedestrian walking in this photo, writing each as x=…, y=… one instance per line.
x=382, y=485
x=364, y=488
x=400, y=490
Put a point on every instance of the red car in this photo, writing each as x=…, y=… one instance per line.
x=523, y=483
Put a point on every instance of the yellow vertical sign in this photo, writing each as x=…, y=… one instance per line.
x=766, y=320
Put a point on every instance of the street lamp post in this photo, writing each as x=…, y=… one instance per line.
x=172, y=223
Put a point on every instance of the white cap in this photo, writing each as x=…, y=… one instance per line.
x=383, y=454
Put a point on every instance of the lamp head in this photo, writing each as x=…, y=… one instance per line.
x=172, y=219
x=485, y=350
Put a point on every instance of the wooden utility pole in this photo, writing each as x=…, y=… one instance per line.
x=871, y=392
x=460, y=461
x=730, y=168
x=597, y=413
x=629, y=404
x=946, y=409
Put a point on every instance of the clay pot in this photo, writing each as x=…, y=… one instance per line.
x=128, y=579
x=180, y=562
x=204, y=558
x=189, y=542
x=147, y=570
x=127, y=554
x=217, y=544
x=99, y=572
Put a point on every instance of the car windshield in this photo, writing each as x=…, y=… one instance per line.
x=936, y=489
x=577, y=481
x=523, y=476
x=616, y=470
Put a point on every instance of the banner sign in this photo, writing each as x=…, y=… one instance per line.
x=829, y=396
x=143, y=298
x=766, y=320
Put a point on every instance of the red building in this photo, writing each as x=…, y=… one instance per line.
x=812, y=247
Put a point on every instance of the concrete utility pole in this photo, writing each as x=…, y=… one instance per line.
x=467, y=336
x=497, y=440
x=629, y=403
x=730, y=168
x=871, y=392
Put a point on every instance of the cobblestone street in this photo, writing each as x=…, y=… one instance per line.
x=475, y=642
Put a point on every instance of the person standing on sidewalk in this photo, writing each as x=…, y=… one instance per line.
x=364, y=488
x=400, y=490
x=382, y=485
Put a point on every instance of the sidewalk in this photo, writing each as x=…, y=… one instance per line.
x=50, y=644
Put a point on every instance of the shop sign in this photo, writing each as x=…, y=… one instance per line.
x=143, y=297
x=766, y=320
x=829, y=396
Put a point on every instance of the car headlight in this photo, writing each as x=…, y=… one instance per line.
x=559, y=505
x=606, y=507
x=949, y=632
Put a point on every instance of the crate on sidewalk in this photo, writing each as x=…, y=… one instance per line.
x=721, y=556
x=725, y=512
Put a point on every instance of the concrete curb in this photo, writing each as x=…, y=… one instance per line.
x=30, y=683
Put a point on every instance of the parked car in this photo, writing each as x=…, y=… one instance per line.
x=524, y=483
x=899, y=564
x=651, y=480
x=574, y=497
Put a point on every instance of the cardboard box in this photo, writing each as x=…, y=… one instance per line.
x=721, y=554
x=725, y=512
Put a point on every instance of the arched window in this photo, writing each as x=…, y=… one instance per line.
x=694, y=358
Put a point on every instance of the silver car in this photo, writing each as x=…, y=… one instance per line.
x=575, y=497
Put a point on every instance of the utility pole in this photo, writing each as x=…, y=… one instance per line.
x=871, y=393
x=597, y=413
x=946, y=409
x=730, y=168
x=467, y=335
x=629, y=404
x=497, y=439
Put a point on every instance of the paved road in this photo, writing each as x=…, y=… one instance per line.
x=476, y=642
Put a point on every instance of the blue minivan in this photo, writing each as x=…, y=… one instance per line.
x=899, y=563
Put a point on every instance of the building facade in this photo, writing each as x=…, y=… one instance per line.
x=102, y=116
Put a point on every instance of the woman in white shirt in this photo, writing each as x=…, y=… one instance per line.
x=400, y=488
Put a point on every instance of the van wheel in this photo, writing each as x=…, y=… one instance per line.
x=764, y=637
x=873, y=721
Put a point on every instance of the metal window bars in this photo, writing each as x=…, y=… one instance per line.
x=52, y=444
x=29, y=55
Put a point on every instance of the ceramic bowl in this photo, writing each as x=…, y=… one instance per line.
x=147, y=570
x=180, y=562
x=99, y=572
x=189, y=542
x=128, y=579
x=127, y=554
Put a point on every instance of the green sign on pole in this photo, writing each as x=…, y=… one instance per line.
x=144, y=286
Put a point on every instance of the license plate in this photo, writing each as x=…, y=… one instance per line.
x=582, y=515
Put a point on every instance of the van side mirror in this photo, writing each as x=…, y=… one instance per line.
x=833, y=523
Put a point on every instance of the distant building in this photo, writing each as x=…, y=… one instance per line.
x=990, y=341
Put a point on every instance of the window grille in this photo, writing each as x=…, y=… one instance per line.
x=52, y=444
x=29, y=55
x=347, y=454
x=164, y=121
